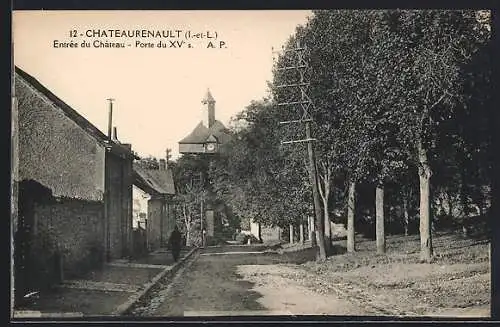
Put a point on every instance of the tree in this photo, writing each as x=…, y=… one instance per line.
x=149, y=162
x=254, y=176
x=296, y=93
x=191, y=187
x=347, y=103
x=380, y=78
x=432, y=48
x=392, y=92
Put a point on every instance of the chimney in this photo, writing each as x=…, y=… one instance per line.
x=115, y=136
x=162, y=164
x=110, y=118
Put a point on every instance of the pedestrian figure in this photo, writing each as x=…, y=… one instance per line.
x=175, y=243
x=204, y=239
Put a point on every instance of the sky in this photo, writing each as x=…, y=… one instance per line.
x=157, y=91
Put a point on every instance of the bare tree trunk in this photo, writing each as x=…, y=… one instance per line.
x=309, y=230
x=328, y=229
x=312, y=234
x=379, y=222
x=406, y=215
x=188, y=235
x=450, y=204
x=315, y=193
x=291, y=234
x=301, y=230
x=464, y=195
x=351, y=202
x=324, y=192
x=187, y=221
x=424, y=173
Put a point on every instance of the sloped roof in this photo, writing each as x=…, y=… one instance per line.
x=154, y=180
x=73, y=114
x=201, y=133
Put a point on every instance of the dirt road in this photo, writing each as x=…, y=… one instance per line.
x=247, y=281
x=229, y=282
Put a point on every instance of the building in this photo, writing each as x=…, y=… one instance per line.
x=118, y=200
x=265, y=234
x=209, y=134
x=207, y=138
x=158, y=184
x=140, y=207
x=73, y=187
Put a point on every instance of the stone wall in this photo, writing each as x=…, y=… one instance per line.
x=73, y=229
x=270, y=234
x=61, y=168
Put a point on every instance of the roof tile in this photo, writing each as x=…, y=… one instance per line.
x=159, y=181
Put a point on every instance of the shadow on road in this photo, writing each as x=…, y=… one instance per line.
x=212, y=284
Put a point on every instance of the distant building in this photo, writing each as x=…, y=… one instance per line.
x=74, y=190
x=209, y=134
x=207, y=138
x=265, y=234
x=139, y=207
x=160, y=218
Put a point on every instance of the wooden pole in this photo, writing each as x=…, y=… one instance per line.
x=201, y=222
x=351, y=202
x=110, y=118
x=379, y=220
x=301, y=66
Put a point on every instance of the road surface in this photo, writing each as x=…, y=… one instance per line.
x=234, y=281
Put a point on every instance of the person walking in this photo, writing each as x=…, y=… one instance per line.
x=175, y=243
x=204, y=239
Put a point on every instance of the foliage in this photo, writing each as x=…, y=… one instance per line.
x=254, y=177
x=384, y=84
x=189, y=172
x=149, y=162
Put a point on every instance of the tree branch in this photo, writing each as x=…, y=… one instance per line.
x=437, y=102
x=321, y=191
x=425, y=113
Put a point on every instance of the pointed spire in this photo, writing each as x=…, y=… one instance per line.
x=208, y=97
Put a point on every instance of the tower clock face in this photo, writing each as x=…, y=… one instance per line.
x=210, y=147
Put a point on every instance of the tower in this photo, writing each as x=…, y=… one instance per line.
x=208, y=109
x=209, y=133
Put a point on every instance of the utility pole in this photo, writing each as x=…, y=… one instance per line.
x=110, y=119
x=107, y=232
x=301, y=67
x=168, y=156
x=202, y=209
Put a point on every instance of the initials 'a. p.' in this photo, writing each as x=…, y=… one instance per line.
x=221, y=45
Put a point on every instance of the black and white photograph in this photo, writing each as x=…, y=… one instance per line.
x=241, y=163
